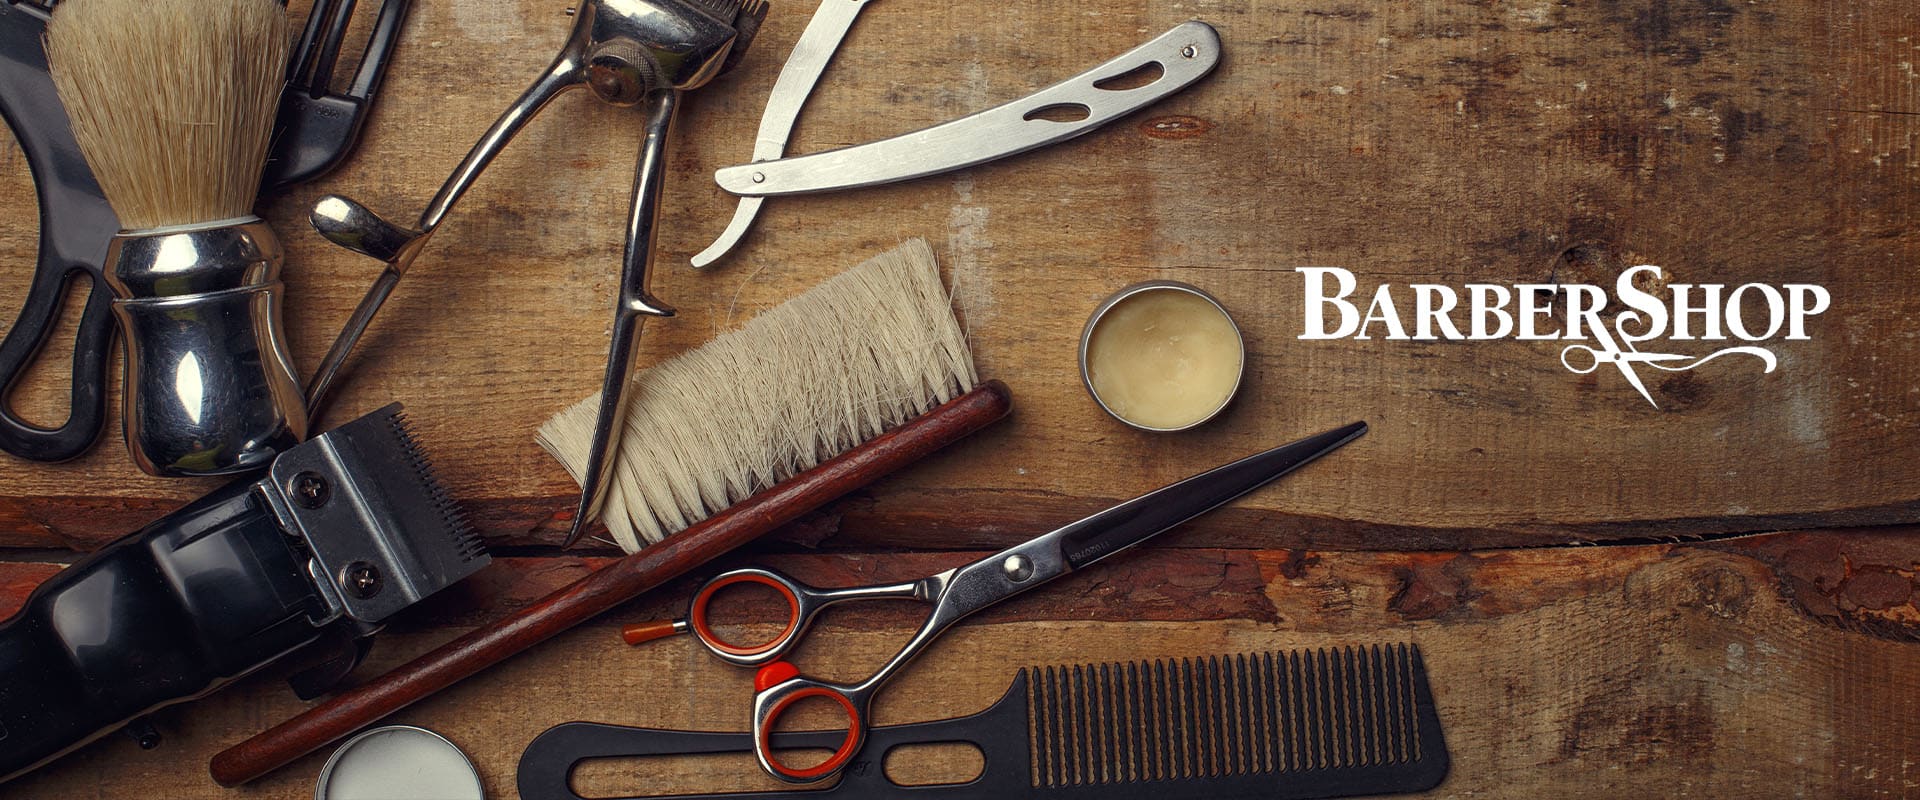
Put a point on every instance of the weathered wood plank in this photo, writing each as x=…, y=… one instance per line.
x=1649, y=670
x=1861, y=580
x=1437, y=141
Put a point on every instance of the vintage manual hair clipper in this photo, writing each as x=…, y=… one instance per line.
x=343, y=531
x=629, y=52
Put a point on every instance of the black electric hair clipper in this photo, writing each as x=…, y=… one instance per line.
x=341, y=532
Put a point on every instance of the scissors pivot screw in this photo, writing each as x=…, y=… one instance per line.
x=1017, y=567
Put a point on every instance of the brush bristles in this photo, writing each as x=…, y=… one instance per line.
x=805, y=381
x=171, y=101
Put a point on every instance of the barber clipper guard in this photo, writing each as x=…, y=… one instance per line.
x=313, y=557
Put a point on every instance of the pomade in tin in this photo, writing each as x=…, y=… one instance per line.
x=1162, y=356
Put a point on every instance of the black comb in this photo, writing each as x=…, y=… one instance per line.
x=1284, y=725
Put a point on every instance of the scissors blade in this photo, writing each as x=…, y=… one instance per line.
x=1148, y=515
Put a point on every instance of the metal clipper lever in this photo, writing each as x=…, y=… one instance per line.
x=629, y=52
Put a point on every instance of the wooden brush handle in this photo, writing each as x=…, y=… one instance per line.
x=610, y=586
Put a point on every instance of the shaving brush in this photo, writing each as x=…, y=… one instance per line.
x=172, y=103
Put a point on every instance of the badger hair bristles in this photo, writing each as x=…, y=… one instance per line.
x=171, y=101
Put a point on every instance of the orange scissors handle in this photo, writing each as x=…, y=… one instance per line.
x=777, y=688
x=803, y=602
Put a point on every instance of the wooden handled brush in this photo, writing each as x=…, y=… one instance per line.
x=861, y=365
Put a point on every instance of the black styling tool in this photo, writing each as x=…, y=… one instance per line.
x=341, y=532
x=317, y=126
x=75, y=226
x=315, y=129
x=1282, y=726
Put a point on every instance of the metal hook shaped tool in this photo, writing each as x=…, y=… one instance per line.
x=1165, y=65
x=629, y=52
x=809, y=59
x=626, y=51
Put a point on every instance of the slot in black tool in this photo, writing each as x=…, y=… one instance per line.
x=1289, y=725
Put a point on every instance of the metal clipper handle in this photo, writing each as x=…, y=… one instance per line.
x=627, y=51
x=210, y=387
x=345, y=222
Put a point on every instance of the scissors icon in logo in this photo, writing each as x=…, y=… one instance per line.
x=1610, y=352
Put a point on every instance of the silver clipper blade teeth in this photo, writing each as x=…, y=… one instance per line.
x=383, y=530
x=466, y=540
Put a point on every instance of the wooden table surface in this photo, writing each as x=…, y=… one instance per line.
x=1710, y=598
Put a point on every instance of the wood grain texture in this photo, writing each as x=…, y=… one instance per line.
x=1624, y=671
x=613, y=584
x=1440, y=141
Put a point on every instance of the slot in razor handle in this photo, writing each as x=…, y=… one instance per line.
x=611, y=585
x=546, y=768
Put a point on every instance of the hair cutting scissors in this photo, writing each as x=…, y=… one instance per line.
x=958, y=592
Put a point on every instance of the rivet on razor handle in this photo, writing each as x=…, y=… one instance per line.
x=630, y=52
x=1124, y=84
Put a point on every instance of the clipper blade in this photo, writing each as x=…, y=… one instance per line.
x=383, y=529
x=466, y=542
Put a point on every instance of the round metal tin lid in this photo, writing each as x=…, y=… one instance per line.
x=399, y=762
x=1100, y=313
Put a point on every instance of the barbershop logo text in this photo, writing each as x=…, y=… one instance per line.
x=1708, y=312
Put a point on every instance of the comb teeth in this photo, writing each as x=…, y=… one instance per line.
x=1249, y=714
x=467, y=543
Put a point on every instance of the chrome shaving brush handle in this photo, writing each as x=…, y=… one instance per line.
x=210, y=389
